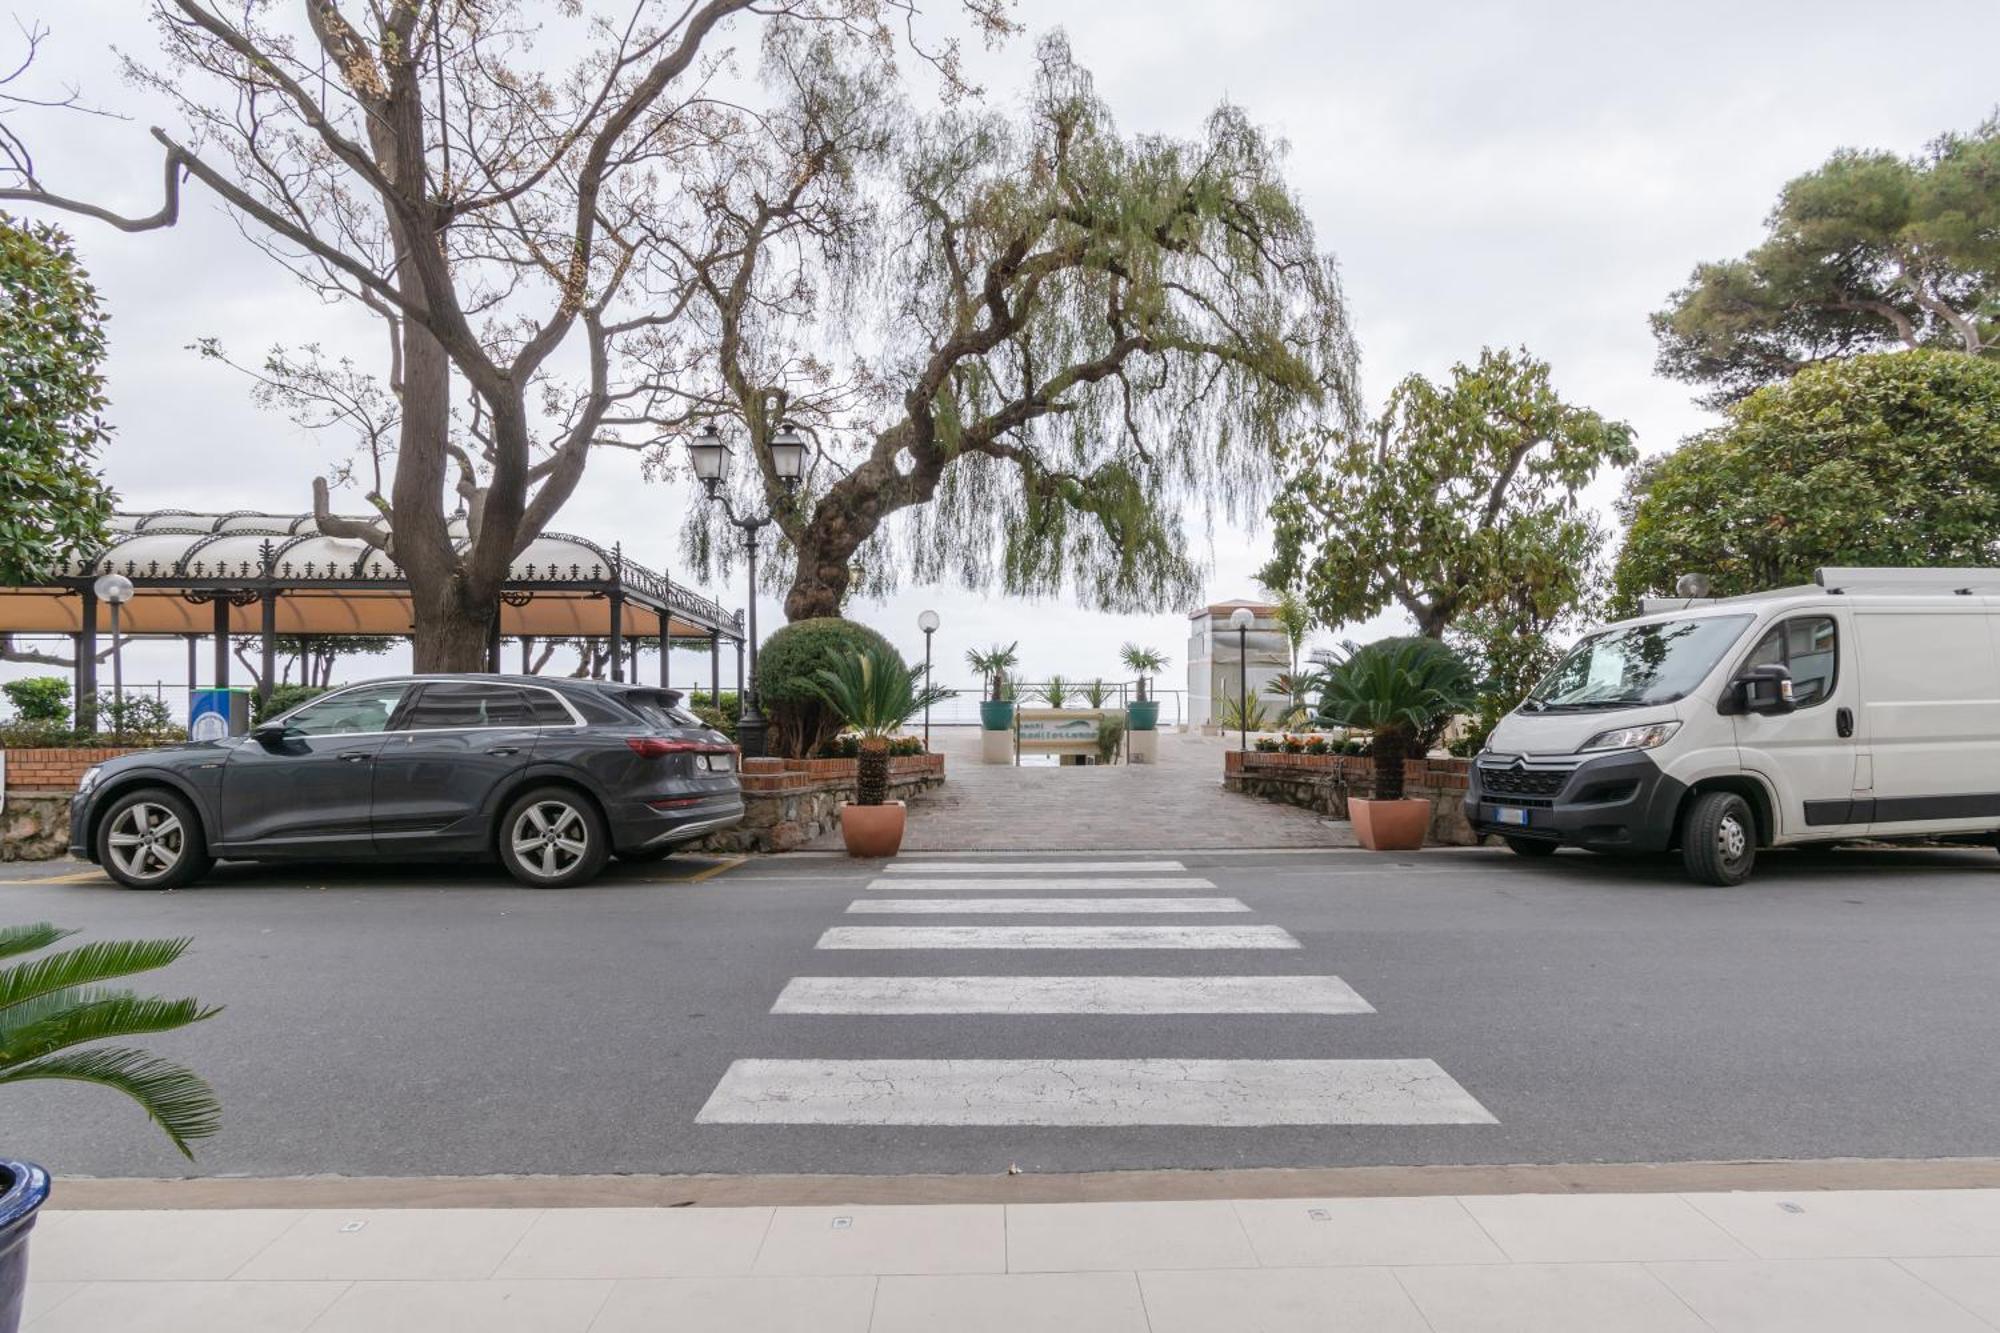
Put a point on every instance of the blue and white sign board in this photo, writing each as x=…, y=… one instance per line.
x=1059, y=730
x=219, y=712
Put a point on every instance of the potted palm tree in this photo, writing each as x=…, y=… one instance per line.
x=1395, y=689
x=874, y=693
x=996, y=710
x=54, y=1004
x=1143, y=713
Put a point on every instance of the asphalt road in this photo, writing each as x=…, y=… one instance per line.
x=444, y=1022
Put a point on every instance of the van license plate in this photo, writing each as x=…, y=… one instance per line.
x=1507, y=814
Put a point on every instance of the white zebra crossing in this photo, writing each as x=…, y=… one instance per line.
x=1070, y=995
x=1090, y=1093
x=1057, y=937
x=1030, y=867
x=1045, y=906
x=1062, y=883
x=1064, y=1092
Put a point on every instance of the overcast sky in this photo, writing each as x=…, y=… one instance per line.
x=1487, y=173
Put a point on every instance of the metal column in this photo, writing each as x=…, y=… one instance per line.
x=221, y=607
x=269, y=630
x=86, y=665
x=666, y=644
x=715, y=668
x=618, y=636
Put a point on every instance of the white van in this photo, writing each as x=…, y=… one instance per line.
x=1863, y=705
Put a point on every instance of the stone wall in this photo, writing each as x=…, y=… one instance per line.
x=35, y=824
x=789, y=802
x=1324, y=782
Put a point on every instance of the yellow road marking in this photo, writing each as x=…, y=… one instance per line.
x=76, y=877
x=713, y=870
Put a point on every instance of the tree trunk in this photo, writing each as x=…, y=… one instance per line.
x=450, y=635
x=1387, y=748
x=819, y=587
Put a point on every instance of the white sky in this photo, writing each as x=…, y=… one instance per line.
x=1487, y=172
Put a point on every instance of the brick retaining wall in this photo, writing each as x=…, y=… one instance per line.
x=53, y=770
x=789, y=802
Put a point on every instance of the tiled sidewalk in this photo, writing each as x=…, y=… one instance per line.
x=1819, y=1261
x=1177, y=804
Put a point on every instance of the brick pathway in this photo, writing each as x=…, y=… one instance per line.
x=1176, y=803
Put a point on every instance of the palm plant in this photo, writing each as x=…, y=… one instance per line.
x=1143, y=663
x=50, y=1005
x=1055, y=692
x=1291, y=687
x=1394, y=688
x=874, y=693
x=1096, y=693
x=1239, y=715
x=993, y=666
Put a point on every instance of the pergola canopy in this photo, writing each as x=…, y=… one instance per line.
x=183, y=564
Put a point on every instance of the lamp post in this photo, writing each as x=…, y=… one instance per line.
x=1240, y=620
x=711, y=458
x=928, y=623
x=115, y=590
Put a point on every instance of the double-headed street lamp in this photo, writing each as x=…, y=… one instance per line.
x=711, y=457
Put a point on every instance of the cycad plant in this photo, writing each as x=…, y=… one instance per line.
x=49, y=1006
x=1237, y=715
x=1394, y=688
x=874, y=693
x=1096, y=693
x=993, y=666
x=1143, y=663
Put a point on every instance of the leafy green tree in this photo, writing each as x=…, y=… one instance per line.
x=1396, y=690
x=1887, y=459
x=53, y=1004
x=39, y=699
x=53, y=503
x=1461, y=497
x=1084, y=336
x=1511, y=650
x=1870, y=251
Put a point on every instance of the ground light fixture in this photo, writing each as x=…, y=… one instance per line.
x=1240, y=620
x=114, y=590
x=710, y=455
x=928, y=623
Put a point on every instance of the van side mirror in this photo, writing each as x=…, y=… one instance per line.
x=1764, y=689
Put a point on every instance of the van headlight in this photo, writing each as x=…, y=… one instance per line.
x=1647, y=737
x=88, y=780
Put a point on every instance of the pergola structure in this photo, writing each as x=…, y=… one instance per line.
x=217, y=575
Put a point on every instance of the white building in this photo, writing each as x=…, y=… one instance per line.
x=1213, y=660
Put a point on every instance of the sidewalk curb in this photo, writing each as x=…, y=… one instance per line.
x=83, y=1193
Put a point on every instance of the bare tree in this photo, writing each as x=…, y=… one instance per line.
x=511, y=227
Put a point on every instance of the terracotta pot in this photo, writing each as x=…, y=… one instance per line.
x=872, y=830
x=1390, y=826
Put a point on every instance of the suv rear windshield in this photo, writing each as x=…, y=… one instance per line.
x=662, y=708
x=1638, y=664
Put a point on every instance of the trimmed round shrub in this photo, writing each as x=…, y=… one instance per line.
x=39, y=699
x=800, y=720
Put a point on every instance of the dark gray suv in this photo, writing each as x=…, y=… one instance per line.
x=552, y=776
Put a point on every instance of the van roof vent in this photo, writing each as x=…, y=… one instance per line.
x=1962, y=582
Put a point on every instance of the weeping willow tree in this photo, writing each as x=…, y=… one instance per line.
x=1027, y=351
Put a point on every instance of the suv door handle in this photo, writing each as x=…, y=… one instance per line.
x=505, y=749
x=356, y=757
x=1843, y=722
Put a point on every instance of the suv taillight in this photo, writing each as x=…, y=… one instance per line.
x=657, y=747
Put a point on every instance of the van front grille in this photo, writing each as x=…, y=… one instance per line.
x=1522, y=781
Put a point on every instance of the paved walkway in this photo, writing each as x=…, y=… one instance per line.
x=1638, y=1263
x=1176, y=804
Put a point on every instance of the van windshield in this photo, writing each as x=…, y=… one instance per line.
x=1640, y=664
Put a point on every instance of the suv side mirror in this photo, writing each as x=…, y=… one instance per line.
x=1765, y=689
x=269, y=733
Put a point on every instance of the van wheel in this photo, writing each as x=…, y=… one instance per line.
x=151, y=839
x=1530, y=847
x=1719, y=839
x=553, y=838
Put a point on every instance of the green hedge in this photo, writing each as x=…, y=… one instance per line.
x=800, y=721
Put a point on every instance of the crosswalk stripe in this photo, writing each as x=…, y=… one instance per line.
x=1049, y=906
x=920, y=867
x=1058, y=937
x=1070, y=995
x=1091, y=1093
x=1061, y=883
